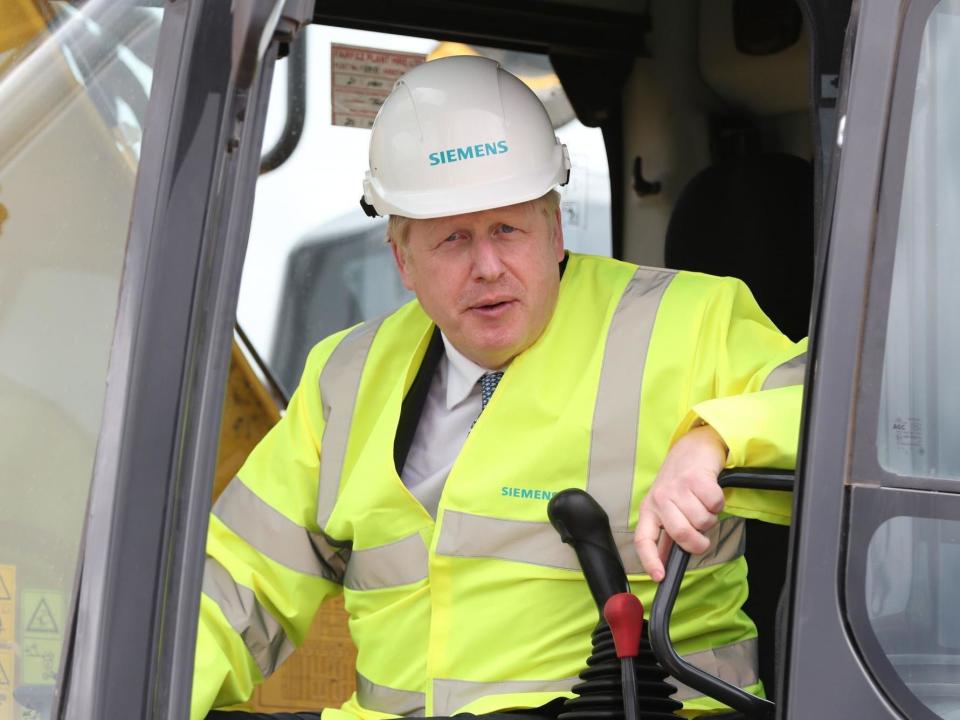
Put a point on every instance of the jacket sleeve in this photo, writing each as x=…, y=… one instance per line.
x=758, y=391
x=268, y=565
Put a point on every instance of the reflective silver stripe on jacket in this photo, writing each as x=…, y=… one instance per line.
x=275, y=536
x=537, y=543
x=613, y=449
x=792, y=372
x=735, y=663
x=399, y=563
x=339, y=386
x=727, y=542
x=616, y=416
x=451, y=695
x=260, y=631
x=389, y=700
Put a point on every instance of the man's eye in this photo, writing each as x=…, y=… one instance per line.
x=504, y=228
x=452, y=237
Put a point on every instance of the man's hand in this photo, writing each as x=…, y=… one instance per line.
x=684, y=500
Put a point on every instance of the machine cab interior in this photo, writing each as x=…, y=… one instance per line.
x=179, y=225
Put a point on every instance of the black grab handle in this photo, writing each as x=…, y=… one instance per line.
x=583, y=524
x=666, y=595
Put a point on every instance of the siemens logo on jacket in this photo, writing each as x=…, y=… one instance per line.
x=467, y=152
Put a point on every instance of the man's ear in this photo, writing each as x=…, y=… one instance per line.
x=558, y=236
x=400, y=257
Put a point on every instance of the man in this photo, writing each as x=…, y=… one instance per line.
x=414, y=464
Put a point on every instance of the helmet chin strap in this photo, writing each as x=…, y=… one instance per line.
x=369, y=209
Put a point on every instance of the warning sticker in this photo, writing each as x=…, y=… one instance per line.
x=360, y=80
x=8, y=593
x=6, y=684
x=40, y=661
x=8, y=582
x=42, y=619
x=41, y=635
x=41, y=614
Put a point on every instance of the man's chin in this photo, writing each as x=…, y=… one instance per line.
x=490, y=352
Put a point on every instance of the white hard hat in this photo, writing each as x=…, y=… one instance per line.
x=458, y=135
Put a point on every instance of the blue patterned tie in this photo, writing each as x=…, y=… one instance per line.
x=488, y=383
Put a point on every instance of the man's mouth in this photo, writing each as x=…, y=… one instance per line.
x=493, y=307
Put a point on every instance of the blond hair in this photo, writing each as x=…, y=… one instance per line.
x=398, y=226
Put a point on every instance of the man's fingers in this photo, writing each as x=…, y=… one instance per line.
x=698, y=515
x=710, y=494
x=676, y=524
x=645, y=542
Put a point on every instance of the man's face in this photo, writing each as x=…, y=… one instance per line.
x=488, y=279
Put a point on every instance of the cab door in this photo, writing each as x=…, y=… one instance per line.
x=874, y=631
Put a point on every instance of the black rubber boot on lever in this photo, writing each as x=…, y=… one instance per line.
x=602, y=694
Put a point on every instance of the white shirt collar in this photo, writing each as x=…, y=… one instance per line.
x=462, y=376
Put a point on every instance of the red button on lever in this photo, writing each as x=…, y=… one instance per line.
x=624, y=614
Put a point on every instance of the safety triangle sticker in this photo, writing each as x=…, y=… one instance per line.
x=42, y=619
x=4, y=678
x=4, y=590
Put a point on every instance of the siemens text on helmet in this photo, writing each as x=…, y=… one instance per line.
x=468, y=152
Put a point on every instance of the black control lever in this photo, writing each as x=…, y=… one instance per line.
x=583, y=524
x=666, y=595
x=622, y=678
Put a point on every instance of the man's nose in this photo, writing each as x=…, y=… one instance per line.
x=487, y=264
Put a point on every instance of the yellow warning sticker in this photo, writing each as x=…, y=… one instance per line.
x=40, y=661
x=41, y=613
x=8, y=607
x=6, y=685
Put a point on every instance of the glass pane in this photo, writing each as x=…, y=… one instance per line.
x=315, y=262
x=912, y=586
x=920, y=396
x=74, y=85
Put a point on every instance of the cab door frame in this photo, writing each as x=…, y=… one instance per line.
x=133, y=629
x=825, y=673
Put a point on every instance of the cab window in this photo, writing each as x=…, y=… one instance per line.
x=905, y=538
x=920, y=413
x=316, y=264
x=74, y=86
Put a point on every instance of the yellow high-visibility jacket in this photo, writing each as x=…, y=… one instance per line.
x=483, y=608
